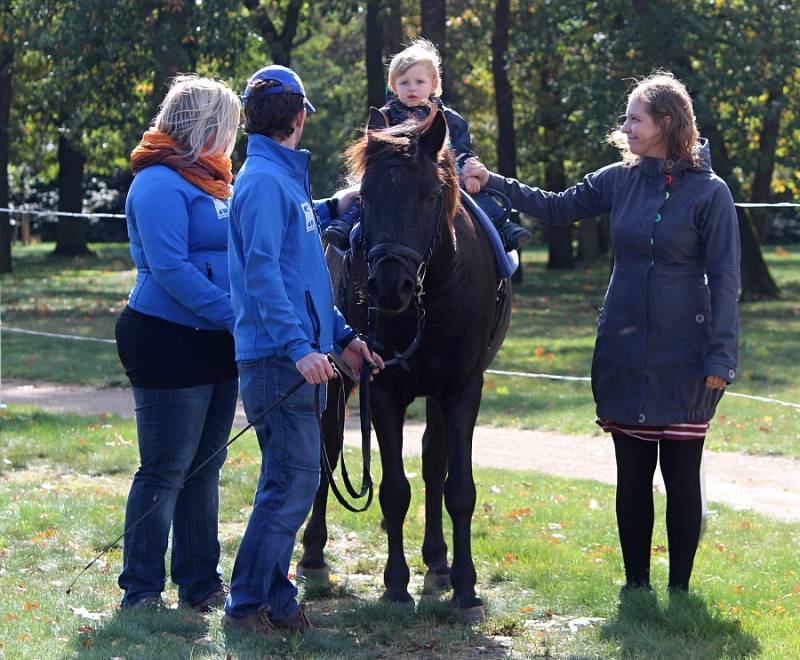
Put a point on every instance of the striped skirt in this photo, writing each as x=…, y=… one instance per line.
x=693, y=431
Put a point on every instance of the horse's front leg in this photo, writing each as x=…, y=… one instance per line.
x=460, y=411
x=312, y=565
x=395, y=492
x=434, y=470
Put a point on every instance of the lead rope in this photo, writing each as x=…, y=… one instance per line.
x=367, y=489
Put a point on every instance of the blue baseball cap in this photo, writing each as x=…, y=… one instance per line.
x=290, y=83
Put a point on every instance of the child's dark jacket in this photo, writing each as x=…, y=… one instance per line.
x=460, y=138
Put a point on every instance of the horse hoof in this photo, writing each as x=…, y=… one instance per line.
x=315, y=576
x=474, y=615
x=436, y=582
x=403, y=599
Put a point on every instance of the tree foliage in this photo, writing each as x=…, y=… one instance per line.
x=88, y=75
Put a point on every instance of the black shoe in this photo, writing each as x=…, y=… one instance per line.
x=337, y=233
x=635, y=587
x=514, y=236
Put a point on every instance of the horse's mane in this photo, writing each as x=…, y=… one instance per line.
x=402, y=141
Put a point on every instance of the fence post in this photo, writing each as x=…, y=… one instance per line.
x=25, y=227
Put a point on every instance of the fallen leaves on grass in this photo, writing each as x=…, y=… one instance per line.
x=42, y=536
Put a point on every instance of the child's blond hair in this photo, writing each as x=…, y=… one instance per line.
x=419, y=51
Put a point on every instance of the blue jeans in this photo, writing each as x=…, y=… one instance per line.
x=178, y=429
x=289, y=440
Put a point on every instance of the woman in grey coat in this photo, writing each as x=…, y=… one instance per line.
x=667, y=335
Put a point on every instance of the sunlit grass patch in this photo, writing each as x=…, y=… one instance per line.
x=545, y=549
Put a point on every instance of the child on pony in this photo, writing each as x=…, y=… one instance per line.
x=415, y=85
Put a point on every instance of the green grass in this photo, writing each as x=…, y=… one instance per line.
x=69, y=295
x=545, y=551
x=552, y=331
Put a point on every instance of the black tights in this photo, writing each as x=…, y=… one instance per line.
x=680, y=466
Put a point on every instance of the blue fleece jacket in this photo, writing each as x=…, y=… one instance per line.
x=178, y=241
x=280, y=285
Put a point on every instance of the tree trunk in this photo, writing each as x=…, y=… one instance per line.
x=433, y=14
x=374, y=55
x=757, y=283
x=70, y=232
x=588, y=240
x=392, y=28
x=551, y=116
x=503, y=94
x=5, y=117
x=765, y=165
x=559, y=237
x=174, y=51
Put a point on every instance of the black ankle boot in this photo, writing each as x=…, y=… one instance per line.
x=635, y=586
x=514, y=236
x=337, y=233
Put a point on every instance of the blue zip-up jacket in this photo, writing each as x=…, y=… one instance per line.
x=670, y=315
x=179, y=244
x=280, y=285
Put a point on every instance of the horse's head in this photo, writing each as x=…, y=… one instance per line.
x=409, y=192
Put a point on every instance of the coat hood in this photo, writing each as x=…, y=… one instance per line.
x=656, y=166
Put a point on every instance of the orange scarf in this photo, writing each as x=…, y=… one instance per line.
x=209, y=173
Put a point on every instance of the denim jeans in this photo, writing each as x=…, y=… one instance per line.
x=289, y=440
x=178, y=429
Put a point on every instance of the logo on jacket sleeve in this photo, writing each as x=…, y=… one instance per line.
x=222, y=207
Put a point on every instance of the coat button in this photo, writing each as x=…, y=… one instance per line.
x=731, y=373
x=658, y=217
x=641, y=418
x=699, y=318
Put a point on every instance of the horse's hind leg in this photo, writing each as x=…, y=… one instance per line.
x=434, y=471
x=312, y=565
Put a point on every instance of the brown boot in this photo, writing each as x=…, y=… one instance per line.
x=255, y=624
x=296, y=622
x=213, y=601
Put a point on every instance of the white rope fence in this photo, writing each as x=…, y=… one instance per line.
x=121, y=216
x=496, y=372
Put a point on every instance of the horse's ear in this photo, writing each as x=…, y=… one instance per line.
x=433, y=139
x=377, y=119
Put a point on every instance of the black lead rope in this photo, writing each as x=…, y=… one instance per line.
x=128, y=528
x=367, y=489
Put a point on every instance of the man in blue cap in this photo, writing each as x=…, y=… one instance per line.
x=286, y=322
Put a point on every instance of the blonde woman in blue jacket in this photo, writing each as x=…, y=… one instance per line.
x=175, y=341
x=667, y=335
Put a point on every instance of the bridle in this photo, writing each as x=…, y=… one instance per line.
x=412, y=262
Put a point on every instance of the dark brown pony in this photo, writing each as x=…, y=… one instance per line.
x=420, y=253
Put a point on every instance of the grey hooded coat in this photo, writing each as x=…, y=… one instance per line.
x=670, y=315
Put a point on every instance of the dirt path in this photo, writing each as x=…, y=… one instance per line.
x=767, y=484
